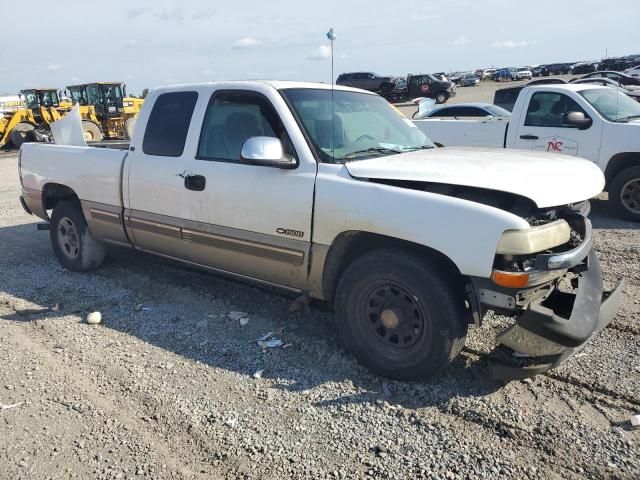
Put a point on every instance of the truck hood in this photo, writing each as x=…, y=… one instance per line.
x=546, y=179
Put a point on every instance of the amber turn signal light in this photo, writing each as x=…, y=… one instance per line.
x=510, y=279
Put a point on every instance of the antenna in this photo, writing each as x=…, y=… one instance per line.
x=331, y=35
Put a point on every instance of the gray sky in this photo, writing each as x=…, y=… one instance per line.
x=152, y=43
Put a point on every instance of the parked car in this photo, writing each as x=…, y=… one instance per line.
x=506, y=97
x=537, y=70
x=409, y=243
x=488, y=74
x=597, y=123
x=619, y=64
x=523, y=74
x=557, y=69
x=504, y=75
x=621, y=78
x=469, y=80
x=455, y=77
x=583, y=67
x=466, y=110
x=366, y=81
x=634, y=71
x=427, y=85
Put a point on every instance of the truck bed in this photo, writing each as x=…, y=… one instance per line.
x=92, y=173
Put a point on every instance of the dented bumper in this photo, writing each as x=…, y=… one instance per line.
x=549, y=331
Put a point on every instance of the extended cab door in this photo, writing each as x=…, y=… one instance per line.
x=248, y=219
x=154, y=193
x=543, y=126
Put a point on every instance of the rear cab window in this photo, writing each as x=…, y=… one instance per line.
x=168, y=124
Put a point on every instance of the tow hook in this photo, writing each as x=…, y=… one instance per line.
x=43, y=226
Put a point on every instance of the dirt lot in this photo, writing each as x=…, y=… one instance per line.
x=165, y=387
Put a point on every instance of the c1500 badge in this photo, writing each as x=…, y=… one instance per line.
x=556, y=144
x=289, y=232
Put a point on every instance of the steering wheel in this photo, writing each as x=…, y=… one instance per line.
x=366, y=136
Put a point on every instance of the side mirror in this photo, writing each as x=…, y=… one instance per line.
x=266, y=151
x=578, y=119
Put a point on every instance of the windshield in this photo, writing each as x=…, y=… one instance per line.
x=79, y=95
x=112, y=94
x=31, y=99
x=354, y=126
x=612, y=104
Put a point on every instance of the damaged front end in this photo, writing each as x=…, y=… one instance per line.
x=550, y=280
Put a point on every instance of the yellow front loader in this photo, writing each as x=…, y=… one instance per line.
x=31, y=122
x=105, y=110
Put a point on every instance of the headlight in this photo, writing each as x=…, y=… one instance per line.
x=535, y=239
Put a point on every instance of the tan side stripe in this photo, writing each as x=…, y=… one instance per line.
x=251, y=248
x=104, y=216
x=155, y=227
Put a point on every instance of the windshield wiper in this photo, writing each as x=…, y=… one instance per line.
x=371, y=150
x=627, y=118
x=421, y=147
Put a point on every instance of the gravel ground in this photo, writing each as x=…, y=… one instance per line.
x=166, y=386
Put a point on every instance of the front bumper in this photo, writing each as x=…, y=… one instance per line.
x=549, y=331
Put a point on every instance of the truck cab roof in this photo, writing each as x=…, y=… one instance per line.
x=257, y=85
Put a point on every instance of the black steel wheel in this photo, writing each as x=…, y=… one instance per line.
x=402, y=316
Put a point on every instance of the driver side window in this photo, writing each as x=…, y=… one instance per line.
x=232, y=118
x=549, y=109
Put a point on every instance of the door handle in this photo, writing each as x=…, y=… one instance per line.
x=195, y=182
x=529, y=137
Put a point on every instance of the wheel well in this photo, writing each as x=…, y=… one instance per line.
x=620, y=162
x=351, y=245
x=54, y=193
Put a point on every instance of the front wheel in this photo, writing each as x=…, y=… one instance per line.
x=441, y=97
x=73, y=244
x=91, y=132
x=400, y=316
x=624, y=194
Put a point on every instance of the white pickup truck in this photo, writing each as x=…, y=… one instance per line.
x=594, y=122
x=335, y=195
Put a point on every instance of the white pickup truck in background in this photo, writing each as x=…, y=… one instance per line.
x=594, y=122
x=335, y=195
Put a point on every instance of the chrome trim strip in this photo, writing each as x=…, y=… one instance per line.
x=572, y=257
x=224, y=272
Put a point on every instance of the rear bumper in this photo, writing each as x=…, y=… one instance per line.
x=550, y=331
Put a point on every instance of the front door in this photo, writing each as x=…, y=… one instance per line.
x=545, y=129
x=242, y=218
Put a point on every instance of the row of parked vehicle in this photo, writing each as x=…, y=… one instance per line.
x=399, y=89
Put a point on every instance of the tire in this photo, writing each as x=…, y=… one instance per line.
x=73, y=244
x=128, y=127
x=91, y=132
x=379, y=293
x=624, y=194
x=386, y=88
x=21, y=133
x=441, y=97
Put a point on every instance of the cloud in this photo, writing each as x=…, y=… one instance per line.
x=512, y=44
x=461, y=40
x=175, y=15
x=54, y=67
x=322, y=52
x=246, y=42
x=136, y=12
x=130, y=43
x=208, y=72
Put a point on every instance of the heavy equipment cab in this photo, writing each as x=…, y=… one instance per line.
x=31, y=123
x=105, y=111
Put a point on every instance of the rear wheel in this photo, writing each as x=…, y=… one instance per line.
x=624, y=194
x=21, y=133
x=441, y=97
x=91, y=132
x=400, y=316
x=73, y=244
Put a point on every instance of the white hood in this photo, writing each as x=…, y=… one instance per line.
x=545, y=178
